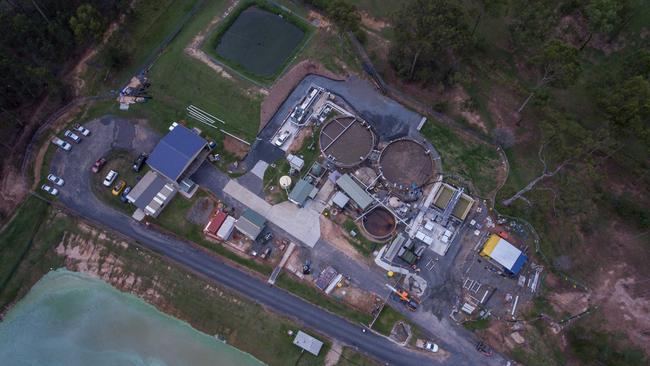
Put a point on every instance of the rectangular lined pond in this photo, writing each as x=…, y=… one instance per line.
x=258, y=41
x=73, y=319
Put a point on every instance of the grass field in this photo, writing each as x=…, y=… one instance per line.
x=469, y=163
x=362, y=244
x=16, y=238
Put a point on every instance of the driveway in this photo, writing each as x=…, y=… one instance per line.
x=109, y=133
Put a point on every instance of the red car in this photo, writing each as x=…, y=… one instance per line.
x=98, y=165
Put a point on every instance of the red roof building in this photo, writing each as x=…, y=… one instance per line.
x=214, y=224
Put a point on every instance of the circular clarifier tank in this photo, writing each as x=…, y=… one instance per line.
x=379, y=223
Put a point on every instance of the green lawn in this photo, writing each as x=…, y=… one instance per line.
x=387, y=319
x=362, y=244
x=16, y=238
x=468, y=163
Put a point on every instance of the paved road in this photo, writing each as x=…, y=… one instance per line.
x=110, y=133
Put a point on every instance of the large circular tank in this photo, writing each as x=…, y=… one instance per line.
x=379, y=223
x=346, y=141
x=405, y=162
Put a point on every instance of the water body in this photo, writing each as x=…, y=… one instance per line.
x=73, y=319
x=259, y=41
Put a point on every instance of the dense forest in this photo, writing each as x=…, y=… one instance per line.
x=39, y=41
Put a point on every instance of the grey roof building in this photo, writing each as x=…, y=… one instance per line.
x=176, y=152
x=151, y=193
x=354, y=191
x=308, y=343
x=301, y=192
x=250, y=224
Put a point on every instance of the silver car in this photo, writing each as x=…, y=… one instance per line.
x=82, y=130
x=62, y=144
x=51, y=190
x=72, y=136
x=56, y=180
x=110, y=178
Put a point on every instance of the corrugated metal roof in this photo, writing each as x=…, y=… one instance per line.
x=150, y=189
x=254, y=217
x=215, y=223
x=248, y=228
x=175, y=152
x=354, y=191
x=504, y=253
x=300, y=192
x=308, y=343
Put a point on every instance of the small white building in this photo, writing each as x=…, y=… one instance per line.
x=308, y=343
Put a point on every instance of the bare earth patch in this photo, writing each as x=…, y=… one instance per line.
x=334, y=355
x=373, y=23
x=303, y=134
x=235, y=147
x=336, y=236
x=459, y=97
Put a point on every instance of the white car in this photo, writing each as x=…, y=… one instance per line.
x=282, y=138
x=173, y=125
x=62, y=144
x=56, y=180
x=430, y=346
x=51, y=190
x=82, y=130
x=110, y=178
x=72, y=136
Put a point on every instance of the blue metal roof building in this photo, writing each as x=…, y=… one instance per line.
x=175, y=152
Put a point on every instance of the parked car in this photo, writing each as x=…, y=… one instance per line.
x=124, y=193
x=173, y=125
x=212, y=144
x=72, y=136
x=98, y=165
x=430, y=346
x=266, y=237
x=110, y=178
x=51, y=190
x=139, y=162
x=119, y=187
x=56, y=180
x=62, y=144
x=82, y=130
x=282, y=138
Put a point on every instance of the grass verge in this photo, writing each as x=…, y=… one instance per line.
x=16, y=238
x=315, y=297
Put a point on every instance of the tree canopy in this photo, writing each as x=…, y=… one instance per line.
x=429, y=35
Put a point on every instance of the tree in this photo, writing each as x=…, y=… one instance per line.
x=492, y=7
x=558, y=66
x=86, y=23
x=532, y=22
x=628, y=107
x=428, y=35
x=605, y=16
x=565, y=142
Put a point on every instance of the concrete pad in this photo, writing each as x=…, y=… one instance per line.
x=301, y=223
x=260, y=168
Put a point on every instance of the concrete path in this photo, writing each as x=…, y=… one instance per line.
x=301, y=223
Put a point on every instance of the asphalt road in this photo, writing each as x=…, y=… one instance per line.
x=109, y=133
